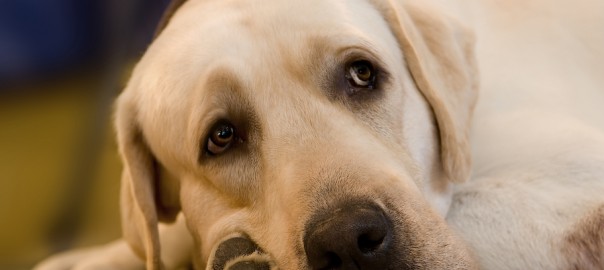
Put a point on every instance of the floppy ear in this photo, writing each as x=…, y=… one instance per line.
x=142, y=203
x=439, y=53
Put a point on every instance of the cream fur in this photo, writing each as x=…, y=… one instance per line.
x=534, y=199
x=538, y=133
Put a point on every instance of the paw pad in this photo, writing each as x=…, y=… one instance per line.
x=240, y=253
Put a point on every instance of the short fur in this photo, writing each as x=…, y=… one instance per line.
x=275, y=69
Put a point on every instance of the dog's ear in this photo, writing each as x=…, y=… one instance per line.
x=439, y=53
x=142, y=203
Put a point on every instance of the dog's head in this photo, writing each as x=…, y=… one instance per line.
x=300, y=134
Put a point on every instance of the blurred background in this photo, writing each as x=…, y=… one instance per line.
x=62, y=63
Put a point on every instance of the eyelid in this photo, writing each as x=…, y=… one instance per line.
x=353, y=53
x=358, y=53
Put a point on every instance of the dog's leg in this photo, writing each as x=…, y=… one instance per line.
x=115, y=255
x=176, y=253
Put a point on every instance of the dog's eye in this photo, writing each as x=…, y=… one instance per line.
x=221, y=138
x=361, y=74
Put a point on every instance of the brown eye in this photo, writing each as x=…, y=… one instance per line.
x=221, y=138
x=361, y=74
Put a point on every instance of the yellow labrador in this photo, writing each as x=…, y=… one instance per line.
x=333, y=134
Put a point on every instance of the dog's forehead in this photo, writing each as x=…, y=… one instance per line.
x=258, y=40
x=201, y=32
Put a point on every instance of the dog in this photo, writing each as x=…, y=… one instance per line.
x=352, y=135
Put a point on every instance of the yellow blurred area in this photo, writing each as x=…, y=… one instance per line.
x=40, y=145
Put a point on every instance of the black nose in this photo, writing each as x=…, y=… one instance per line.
x=356, y=237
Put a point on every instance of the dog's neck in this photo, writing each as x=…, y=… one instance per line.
x=438, y=190
x=419, y=127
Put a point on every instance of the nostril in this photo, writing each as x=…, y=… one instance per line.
x=371, y=241
x=331, y=261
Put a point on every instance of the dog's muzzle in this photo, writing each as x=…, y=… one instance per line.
x=354, y=236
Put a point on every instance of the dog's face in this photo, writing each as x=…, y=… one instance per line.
x=298, y=135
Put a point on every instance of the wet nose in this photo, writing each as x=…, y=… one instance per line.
x=357, y=237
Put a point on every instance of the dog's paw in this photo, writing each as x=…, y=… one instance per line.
x=240, y=253
x=116, y=255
